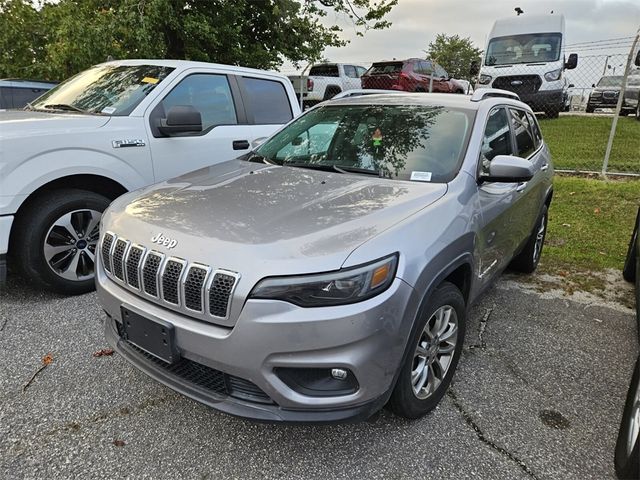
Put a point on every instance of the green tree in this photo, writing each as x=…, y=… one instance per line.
x=455, y=54
x=56, y=39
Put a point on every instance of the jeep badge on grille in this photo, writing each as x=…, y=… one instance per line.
x=160, y=239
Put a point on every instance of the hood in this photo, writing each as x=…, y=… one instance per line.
x=245, y=216
x=606, y=89
x=27, y=123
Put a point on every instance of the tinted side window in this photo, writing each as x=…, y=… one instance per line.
x=350, y=71
x=535, y=129
x=5, y=98
x=441, y=72
x=208, y=93
x=22, y=96
x=324, y=71
x=525, y=144
x=496, y=139
x=268, y=100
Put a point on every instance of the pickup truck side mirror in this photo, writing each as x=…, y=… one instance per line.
x=509, y=169
x=474, y=68
x=571, y=85
x=593, y=85
x=572, y=62
x=637, y=62
x=181, y=119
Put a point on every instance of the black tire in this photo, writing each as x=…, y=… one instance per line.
x=638, y=111
x=626, y=459
x=32, y=227
x=590, y=109
x=552, y=113
x=331, y=92
x=527, y=260
x=629, y=269
x=404, y=402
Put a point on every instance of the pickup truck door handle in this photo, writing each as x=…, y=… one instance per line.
x=521, y=186
x=544, y=167
x=240, y=144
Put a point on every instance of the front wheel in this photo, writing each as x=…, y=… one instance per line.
x=435, y=349
x=627, y=459
x=56, y=239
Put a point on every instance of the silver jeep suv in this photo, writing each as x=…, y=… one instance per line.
x=330, y=271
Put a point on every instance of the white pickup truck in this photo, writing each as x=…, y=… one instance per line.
x=117, y=127
x=326, y=80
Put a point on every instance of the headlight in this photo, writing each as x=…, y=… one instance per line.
x=553, y=75
x=335, y=288
x=484, y=79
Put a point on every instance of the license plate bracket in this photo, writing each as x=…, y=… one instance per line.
x=153, y=336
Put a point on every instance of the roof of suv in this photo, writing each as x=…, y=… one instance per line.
x=439, y=99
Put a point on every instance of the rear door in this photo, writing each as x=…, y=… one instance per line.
x=351, y=78
x=226, y=133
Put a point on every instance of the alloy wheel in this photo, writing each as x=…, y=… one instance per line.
x=537, y=248
x=70, y=244
x=634, y=422
x=434, y=353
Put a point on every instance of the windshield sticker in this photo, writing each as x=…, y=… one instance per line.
x=150, y=80
x=421, y=176
x=108, y=110
x=377, y=138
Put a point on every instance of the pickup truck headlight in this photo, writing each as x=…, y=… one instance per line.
x=342, y=287
x=553, y=75
x=484, y=79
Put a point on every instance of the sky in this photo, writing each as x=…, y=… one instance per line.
x=417, y=22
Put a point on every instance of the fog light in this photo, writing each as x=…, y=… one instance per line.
x=339, y=373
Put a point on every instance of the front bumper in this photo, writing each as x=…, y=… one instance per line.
x=367, y=338
x=544, y=100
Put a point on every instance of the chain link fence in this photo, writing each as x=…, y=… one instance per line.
x=576, y=106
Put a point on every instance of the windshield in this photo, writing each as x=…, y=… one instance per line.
x=529, y=48
x=404, y=142
x=104, y=89
x=610, y=81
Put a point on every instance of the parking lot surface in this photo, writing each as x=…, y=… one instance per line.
x=538, y=394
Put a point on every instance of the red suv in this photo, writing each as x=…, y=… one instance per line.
x=412, y=75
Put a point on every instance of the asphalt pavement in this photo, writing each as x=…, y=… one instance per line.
x=538, y=395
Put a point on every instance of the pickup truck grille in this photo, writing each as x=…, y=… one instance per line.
x=193, y=288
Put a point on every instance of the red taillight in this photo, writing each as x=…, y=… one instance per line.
x=309, y=84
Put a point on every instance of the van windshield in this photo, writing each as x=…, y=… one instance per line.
x=528, y=48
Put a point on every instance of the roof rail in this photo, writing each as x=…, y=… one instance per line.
x=483, y=93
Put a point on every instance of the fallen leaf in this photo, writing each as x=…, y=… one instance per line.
x=47, y=359
x=563, y=273
x=119, y=443
x=566, y=224
x=602, y=253
x=105, y=352
x=572, y=193
x=596, y=210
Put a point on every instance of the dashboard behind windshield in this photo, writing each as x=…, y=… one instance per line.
x=527, y=48
x=105, y=89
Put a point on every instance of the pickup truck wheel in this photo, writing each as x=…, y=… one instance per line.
x=331, y=92
x=56, y=239
x=627, y=452
x=435, y=349
x=527, y=260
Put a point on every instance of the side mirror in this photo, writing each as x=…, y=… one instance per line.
x=509, y=169
x=593, y=85
x=637, y=62
x=571, y=85
x=572, y=62
x=474, y=68
x=181, y=119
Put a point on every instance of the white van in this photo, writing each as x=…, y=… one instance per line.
x=525, y=54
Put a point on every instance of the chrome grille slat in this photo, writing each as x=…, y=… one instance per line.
x=193, y=288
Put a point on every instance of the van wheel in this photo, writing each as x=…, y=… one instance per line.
x=527, y=260
x=56, y=239
x=435, y=349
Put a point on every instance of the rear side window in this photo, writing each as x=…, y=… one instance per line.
x=378, y=68
x=350, y=71
x=22, y=96
x=525, y=144
x=5, y=98
x=496, y=139
x=535, y=129
x=268, y=101
x=324, y=71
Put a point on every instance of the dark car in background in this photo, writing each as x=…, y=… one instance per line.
x=16, y=93
x=606, y=92
x=411, y=75
x=627, y=457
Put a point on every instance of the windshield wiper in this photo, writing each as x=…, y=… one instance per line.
x=67, y=107
x=315, y=166
x=257, y=158
x=363, y=171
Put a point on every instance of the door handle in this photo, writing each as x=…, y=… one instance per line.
x=521, y=186
x=544, y=167
x=240, y=144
